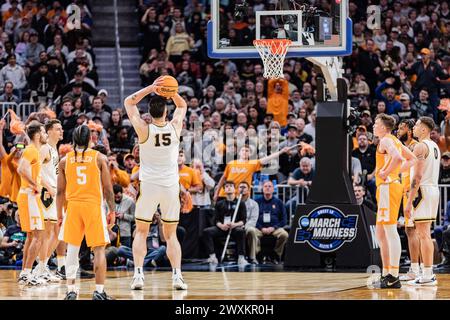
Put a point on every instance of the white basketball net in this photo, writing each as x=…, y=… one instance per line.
x=272, y=52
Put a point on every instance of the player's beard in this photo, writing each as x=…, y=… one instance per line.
x=404, y=137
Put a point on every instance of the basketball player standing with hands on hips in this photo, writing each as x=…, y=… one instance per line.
x=392, y=158
x=158, y=174
x=30, y=207
x=423, y=200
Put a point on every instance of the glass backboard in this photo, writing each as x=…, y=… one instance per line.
x=316, y=28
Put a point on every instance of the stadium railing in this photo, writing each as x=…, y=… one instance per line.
x=23, y=110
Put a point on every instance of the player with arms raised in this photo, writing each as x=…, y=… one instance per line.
x=158, y=174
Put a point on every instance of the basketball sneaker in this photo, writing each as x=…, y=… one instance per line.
x=51, y=276
x=377, y=283
x=61, y=274
x=72, y=295
x=410, y=275
x=242, y=261
x=101, y=296
x=23, y=278
x=212, y=260
x=179, y=284
x=137, y=283
x=390, y=282
x=33, y=281
x=422, y=281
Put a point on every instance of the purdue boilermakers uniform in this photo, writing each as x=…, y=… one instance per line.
x=158, y=175
x=49, y=172
x=425, y=205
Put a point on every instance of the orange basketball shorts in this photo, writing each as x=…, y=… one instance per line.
x=84, y=219
x=389, y=198
x=30, y=211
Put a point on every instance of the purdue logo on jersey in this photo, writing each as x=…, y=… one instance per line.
x=46, y=198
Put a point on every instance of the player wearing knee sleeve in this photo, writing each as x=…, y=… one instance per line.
x=392, y=158
x=159, y=177
x=83, y=181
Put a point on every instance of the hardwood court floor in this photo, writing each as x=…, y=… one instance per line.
x=229, y=286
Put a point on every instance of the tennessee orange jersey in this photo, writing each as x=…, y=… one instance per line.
x=238, y=171
x=406, y=176
x=189, y=177
x=6, y=178
x=31, y=153
x=83, y=177
x=383, y=160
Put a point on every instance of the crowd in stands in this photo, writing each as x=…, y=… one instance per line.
x=401, y=69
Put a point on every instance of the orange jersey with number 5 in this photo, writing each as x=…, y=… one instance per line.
x=83, y=177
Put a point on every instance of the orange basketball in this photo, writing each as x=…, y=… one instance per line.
x=169, y=87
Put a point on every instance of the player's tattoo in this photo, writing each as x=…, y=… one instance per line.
x=414, y=184
x=133, y=97
x=421, y=157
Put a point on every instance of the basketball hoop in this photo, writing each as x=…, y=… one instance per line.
x=272, y=52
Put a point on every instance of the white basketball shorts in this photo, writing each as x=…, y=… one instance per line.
x=151, y=195
x=425, y=205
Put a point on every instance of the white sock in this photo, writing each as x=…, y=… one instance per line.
x=385, y=272
x=138, y=271
x=25, y=272
x=41, y=266
x=46, y=262
x=71, y=288
x=428, y=272
x=176, y=273
x=61, y=261
x=422, y=266
x=212, y=255
x=99, y=288
x=415, y=267
x=395, y=248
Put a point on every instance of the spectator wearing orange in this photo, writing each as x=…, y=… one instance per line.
x=29, y=9
x=13, y=163
x=135, y=171
x=278, y=100
x=443, y=141
x=118, y=176
x=6, y=176
x=57, y=9
x=189, y=178
x=243, y=169
x=8, y=14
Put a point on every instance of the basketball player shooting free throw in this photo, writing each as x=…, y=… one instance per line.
x=159, y=181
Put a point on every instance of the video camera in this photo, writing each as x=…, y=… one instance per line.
x=353, y=120
x=240, y=10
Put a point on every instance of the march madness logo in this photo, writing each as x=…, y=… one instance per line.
x=326, y=229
